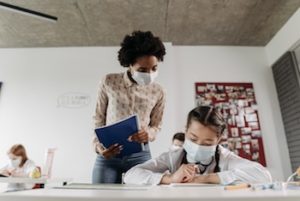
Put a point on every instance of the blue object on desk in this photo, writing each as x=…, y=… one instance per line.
x=264, y=186
x=118, y=133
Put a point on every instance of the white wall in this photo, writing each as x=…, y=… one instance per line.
x=34, y=79
x=287, y=38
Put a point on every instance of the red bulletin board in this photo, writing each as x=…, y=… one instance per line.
x=237, y=103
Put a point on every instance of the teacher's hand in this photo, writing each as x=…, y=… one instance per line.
x=111, y=151
x=141, y=137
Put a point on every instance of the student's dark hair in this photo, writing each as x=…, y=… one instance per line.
x=209, y=116
x=140, y=44
x=179, y=136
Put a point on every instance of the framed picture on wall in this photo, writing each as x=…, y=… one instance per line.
x=237, y=104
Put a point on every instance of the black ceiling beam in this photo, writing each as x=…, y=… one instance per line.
x=28, y=11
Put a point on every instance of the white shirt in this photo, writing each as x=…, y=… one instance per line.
x=23, y=171
x=233, y=169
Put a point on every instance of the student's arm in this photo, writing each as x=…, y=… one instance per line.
x=243, y=170
x=239, y=170
x=150, y=172
x=156, y=117
x=100, y=113
x=207, y=179
x=4, y=170
x=29, y=167
x=25, y=171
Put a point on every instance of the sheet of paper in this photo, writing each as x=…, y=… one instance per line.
x=103, y=186
x=192, y=185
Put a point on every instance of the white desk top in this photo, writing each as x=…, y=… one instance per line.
x=33, y=181
x=155, y=193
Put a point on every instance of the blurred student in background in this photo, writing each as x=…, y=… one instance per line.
x=19, y=165
x=177, y=141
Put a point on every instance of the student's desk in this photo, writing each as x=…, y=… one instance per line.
x=154, y=193
x=43, y=181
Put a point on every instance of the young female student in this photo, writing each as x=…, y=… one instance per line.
x=202, y=159
x=19, y=166
x=124, y=94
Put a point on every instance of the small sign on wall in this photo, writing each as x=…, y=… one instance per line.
x=237, y=103
x=73, y=100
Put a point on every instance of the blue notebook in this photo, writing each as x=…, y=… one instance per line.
x=119, y=133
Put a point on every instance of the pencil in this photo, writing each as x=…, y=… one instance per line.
x=237, y=186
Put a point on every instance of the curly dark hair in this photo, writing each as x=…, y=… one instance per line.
x=140, y=44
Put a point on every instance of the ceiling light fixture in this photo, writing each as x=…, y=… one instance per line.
x=26, y=11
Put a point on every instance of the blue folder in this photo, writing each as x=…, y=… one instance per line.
x=119, y=133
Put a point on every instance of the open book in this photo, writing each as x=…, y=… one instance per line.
x=119, y=132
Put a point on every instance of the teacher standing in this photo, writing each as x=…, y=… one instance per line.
x=124, y=94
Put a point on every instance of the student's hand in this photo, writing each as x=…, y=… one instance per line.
x=112, y=151
x=12, y=172
x=15, y=173
x=141, y=137
x=184, y=174
x=5, y=172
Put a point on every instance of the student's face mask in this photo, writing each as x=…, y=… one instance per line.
x=144, y=78
x=174, y=147
x=198, y=153
x=15, y=162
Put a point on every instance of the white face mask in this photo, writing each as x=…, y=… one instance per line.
x=144, y=78
x=15, y=162
x=174, y=147
x=198, y=153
